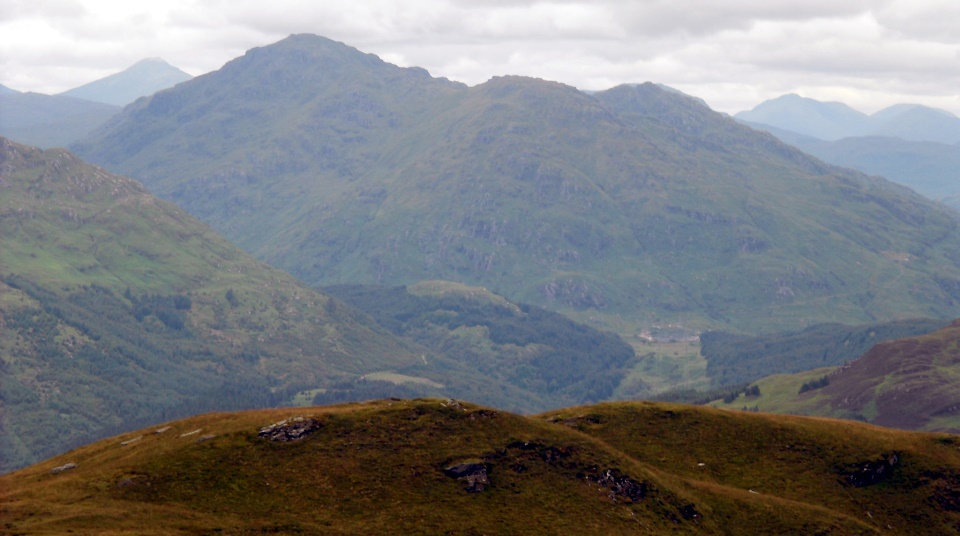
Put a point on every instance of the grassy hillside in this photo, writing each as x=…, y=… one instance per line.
x=117, y=308
x=733, y=358
x=545, y=354
x=910, y=383
x=432, y=466
x=626, y=208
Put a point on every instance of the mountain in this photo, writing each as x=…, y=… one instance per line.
x=626, y=208
x=141, y=79
x=822, y=120
x=911, y=383
x=932, y=169
x=553, y=359
x=736, y=359
x=914, y=122
x=442, y=466
x=831, y=121
x=929, y=168
x=49, y=121
x=117, y=309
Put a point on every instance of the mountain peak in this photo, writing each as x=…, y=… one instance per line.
x=141, y=79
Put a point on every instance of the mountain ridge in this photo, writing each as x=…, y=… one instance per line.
x=631, y=206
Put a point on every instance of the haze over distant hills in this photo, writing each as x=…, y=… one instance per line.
x=914, y=145
x=834, y=120
x=143, y=78
x=633, y=205
x=59, y=120
x=49, y=120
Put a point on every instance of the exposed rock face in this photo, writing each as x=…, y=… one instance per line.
x=473, y=473
x=290, y=430
x=871, y=472
x=62, y=468
x=622, y=488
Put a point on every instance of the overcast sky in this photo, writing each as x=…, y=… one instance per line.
x=732, y=53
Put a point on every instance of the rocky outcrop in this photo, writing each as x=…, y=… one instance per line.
x=290, y=429
x=62, y=468
x=474, y=474
x=872, y=471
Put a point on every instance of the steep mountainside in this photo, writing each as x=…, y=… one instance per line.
x=143, y=78
x=627, y=207
x=431, y=466
x=50, y=121
x=117, y=308
x=911, y=383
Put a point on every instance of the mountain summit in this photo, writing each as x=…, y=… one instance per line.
x=634, y=205
x=143, y=78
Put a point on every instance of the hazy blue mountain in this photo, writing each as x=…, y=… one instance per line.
x=49, y=121
x=917, y=123
x=824, y=120
x=4, y=90
x=141, y=79
x=833, y=120
x=932, y=169
x=627, y=207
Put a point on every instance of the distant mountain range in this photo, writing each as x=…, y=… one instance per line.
x=913, y=145
x=59, y=120
x=626, y=208
x=141, y=79
x=832, y=121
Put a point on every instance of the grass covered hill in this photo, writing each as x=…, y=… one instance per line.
x=627, y=208
x=117, y=308
x=440, y=466
x=911, y=383
x=552, y=360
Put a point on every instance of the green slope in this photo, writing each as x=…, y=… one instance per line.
x=117, y=308
x=556, y=361
x=627, y=208
x=911, y=383
x=392, y=466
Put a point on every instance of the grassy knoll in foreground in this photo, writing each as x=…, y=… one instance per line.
x=430, y=466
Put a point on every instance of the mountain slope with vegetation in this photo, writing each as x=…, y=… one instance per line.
x=117, y=308
x=625, y=208
x=435, y=466
x=911, y=383
x=541, y=352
